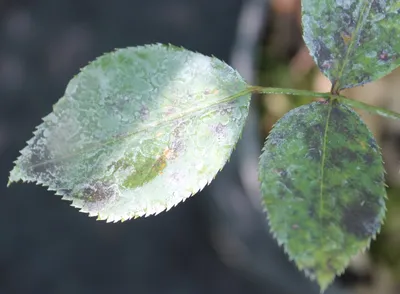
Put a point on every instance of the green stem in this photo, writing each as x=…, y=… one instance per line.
x=351, y=102
x=267, y=90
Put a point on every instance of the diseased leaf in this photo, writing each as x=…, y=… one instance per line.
x=138, y=131
x=353, y=41
x=322, y=181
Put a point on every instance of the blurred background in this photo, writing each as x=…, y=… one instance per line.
x=215, y=242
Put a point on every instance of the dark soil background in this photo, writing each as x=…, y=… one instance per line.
x=216, y=242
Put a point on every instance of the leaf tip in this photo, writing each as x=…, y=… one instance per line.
x=324, y=281
x=13, y=178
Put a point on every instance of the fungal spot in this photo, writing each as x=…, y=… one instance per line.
x=144, y=113
x=318, y=128
x=363, y=145
x=214, y=92
x=377, y=7
x=219, y=128
x=219, y=131
x=168, y=153
x=288, y=184
x=379, y=179
x=338, y=114
x=383, y=55
x=176, y=177
x=177, y=147
x=65, y=192
x=310, y=271
x=313, y=139
x=276, y=138
x=285, y=180
x=161, y=162
x=368, y=159
x=346, y=37
x=372, y=143
x=330, y=265
x=315, y=153
x=144, y=168
x=322, y=51
x=361, y=218
x=340, y=157
x=169, y=111
x=311, y=211
x=225, y=109
x=37, y=163
x=99, y=195
x=40, y=161
x=327, y=64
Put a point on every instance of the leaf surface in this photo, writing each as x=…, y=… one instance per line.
x=353, y=41
x=138, y=131
x=322, y=182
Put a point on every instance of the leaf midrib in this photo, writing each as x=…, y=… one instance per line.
x=323, y=158
x=354, y=37
x=146, y=127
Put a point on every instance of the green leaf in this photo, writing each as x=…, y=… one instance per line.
x=138, y=131
x=322, y=181
x=353, y=41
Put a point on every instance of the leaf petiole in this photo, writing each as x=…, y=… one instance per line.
x=267, y=90
x=351, y=102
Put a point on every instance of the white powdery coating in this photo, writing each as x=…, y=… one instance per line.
x=138, y=131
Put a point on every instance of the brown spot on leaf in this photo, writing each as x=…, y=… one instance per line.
x=161, y=163
x=213, y=91
x=346, y=37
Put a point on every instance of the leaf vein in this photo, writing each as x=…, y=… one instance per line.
x=146, y=127
x=323, y=158
x=354, y=37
